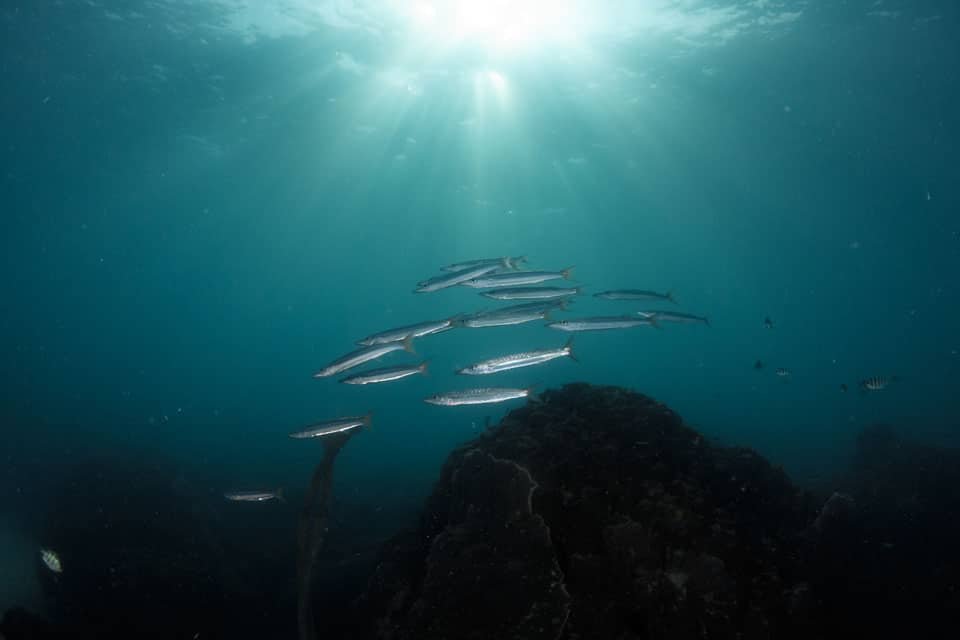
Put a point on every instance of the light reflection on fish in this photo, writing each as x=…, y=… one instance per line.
x=254, y=496
x=331, y=427
x=478, y=396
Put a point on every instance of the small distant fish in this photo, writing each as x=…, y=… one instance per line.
x=506, y=262
x=454, y=278
x=362, y=356
x=635, y=294
x=330, y=427
x=843, y=387
x=783, y=373
x=478, y=396
x=877, y=383
x=386, y=374
x=518, y=278
x=758, y=364
x=417, y=330
x=531, y=293
x=51, y=560
x=675, y=316
x=601, y=323
x=255, y=496
x=518, y=360
x=768, y=323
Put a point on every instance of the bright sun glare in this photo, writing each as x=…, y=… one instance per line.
x=503, y=26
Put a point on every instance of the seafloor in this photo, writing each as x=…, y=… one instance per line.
x=592, y=512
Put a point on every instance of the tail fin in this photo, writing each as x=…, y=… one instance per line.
x=566, y=273
x=408, y=344
x=569, y=348
x=424, y=367
x=653, y=321
x=670, y=297
x=562, y=303
x=368, y=419
x=280, y=496
x=531, y=395
x=706, y=321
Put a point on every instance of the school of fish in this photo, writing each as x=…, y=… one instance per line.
x=502, y=279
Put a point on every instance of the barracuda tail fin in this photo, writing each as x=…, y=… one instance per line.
x=570, y=353
x=280, y=496
x=368, y=419
x=670, y=297
x=532, y=395
x=424, y=367
x=408, y=344
x=567, y=273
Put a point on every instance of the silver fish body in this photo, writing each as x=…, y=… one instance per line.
x=504, y=318
x=417, y=330
x=518, y=278
x=254, y=496
x=634, y=294
x=675, y=316
x=454, y=278
x=601, y=323
x=518, y=360
x=506, y=262
x=362, y=356
x=332, y=427
x=477, y=396
x=531, y=293
x=386, y=374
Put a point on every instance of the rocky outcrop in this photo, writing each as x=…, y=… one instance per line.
x=595, y=513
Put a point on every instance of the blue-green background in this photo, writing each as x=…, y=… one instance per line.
x=196, y=218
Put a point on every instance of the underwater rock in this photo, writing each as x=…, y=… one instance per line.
x=595, y=513
x=145, y=556
x=888, y=564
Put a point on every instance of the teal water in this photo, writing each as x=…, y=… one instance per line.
x=204, y=203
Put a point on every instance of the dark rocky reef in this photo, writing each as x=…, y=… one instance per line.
x=595, y=513
x=145, y=555
x=885, y=560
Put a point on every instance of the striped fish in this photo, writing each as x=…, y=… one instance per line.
x=877, y=383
